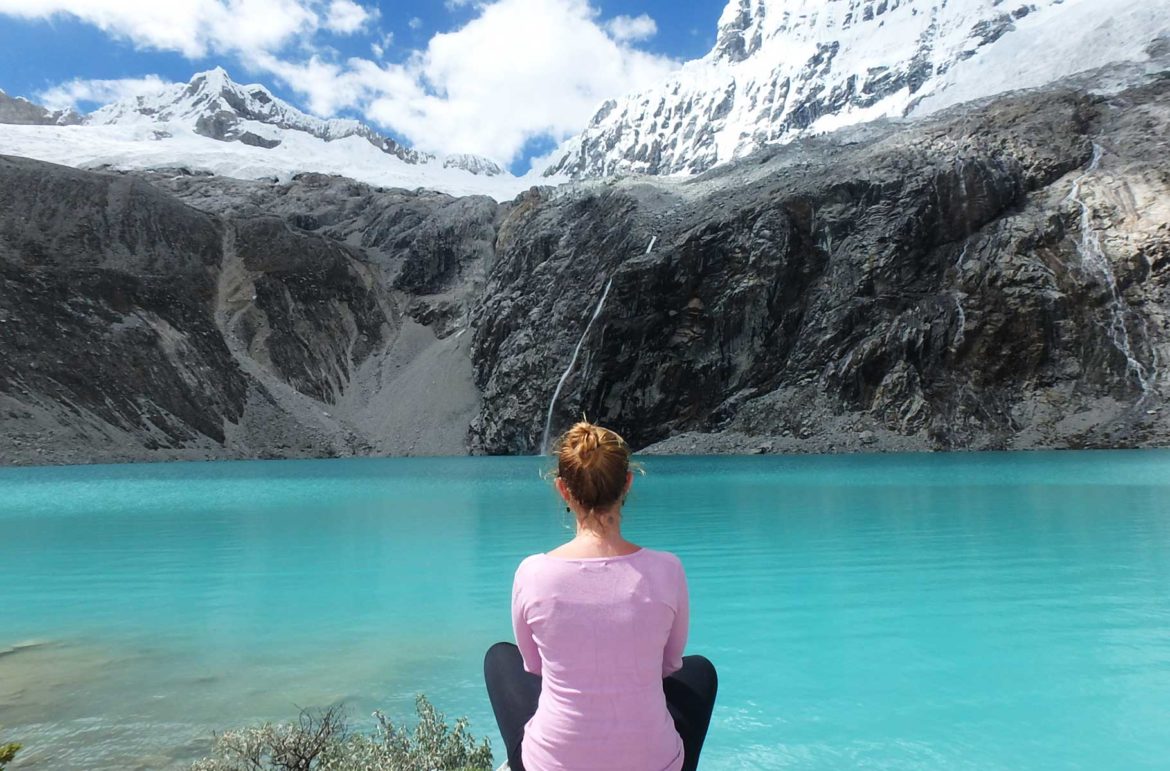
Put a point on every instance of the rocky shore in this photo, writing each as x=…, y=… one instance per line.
x=994, y=277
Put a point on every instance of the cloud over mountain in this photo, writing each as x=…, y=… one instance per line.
x=517, y=71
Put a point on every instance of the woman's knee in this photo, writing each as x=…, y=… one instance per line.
x=501, y=650
x=700, y=670
x=500, y=658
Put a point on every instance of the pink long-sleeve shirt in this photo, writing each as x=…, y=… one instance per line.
x=602, y=632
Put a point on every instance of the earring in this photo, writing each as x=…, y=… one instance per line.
x=567, y=509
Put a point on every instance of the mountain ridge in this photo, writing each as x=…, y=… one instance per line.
x=20, y=111
x=213, y=105
x=212, y=124
x=782, y=70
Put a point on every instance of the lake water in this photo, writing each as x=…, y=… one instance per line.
x=985, y=611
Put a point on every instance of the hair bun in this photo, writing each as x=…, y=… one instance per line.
x=594, y=462
x=590, y=440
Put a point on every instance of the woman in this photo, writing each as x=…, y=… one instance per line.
x=597, y=679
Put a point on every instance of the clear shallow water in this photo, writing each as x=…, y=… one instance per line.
x=991, y=611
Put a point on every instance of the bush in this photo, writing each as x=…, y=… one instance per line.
x=322, y=742
x=7, y=753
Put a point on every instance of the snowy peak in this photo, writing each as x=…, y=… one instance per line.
x=784, y=68
x=739, y=33
x=215, y=106
x=476, y=164
x=20, y=111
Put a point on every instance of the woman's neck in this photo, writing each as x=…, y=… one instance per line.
x=593, y=535
x=607, y=538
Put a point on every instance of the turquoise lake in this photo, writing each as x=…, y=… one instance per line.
x=963, y=611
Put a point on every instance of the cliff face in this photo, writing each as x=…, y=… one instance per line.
x=995, y=277
x=137, y=326
x=991, y=278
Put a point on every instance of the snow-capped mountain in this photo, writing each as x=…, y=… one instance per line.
x=215, y=106
x=213, y=124
x=783, y=68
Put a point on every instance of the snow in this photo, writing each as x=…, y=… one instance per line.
x=134, y=147
x=779, y=65
x=778, y=58
x=1078, y=36
x=205, y=94
x=159, y=131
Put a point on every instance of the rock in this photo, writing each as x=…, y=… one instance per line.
x=930, y=276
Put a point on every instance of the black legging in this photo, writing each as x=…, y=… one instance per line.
x=690, y=697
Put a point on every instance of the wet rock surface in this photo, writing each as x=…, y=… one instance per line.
x=995, y=277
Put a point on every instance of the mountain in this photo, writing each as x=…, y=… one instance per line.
x=213, y=124
x=215, y=106
x=993, y=276
x=18, y=110
x=781, y=69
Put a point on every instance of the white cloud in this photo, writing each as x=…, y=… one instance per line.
x=346, y=17
x=521, y=69
x=77, y=91
x=518, y=70
x=380, y=47
x=415, y=22
x=194, y=28
x=629, y=28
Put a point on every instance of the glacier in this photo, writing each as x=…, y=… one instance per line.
x=782, y=69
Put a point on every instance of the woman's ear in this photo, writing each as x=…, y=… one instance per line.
x=629, y=482
x=562, y=489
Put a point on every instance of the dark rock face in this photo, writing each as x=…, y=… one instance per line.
x=314, y=305
x=104, y=288
x=937, y=282
x=138, y=324
x=62, y=218
x=138, y=354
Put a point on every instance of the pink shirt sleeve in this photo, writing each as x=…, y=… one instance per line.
x=521, y=629
x=676, y=642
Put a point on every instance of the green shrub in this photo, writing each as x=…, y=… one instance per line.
x=7, y=753
x=322, y=742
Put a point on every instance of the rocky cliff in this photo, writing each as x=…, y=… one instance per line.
x=264, y=323
x=993, y=277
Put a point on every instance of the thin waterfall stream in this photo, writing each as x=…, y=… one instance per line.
x=544, y=448
x=1094, y=259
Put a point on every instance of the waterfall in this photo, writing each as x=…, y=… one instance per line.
x=1094, y=260
x=961, y=325
x=544, y=448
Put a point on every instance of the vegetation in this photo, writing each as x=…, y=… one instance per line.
x=322, y=741
x=7, y=753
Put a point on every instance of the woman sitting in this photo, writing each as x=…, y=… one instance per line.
x=597, y=679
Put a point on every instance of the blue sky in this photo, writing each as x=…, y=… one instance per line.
x=504, y=78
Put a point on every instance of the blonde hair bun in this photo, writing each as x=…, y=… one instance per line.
x=593, y=462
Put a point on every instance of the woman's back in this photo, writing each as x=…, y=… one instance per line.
x=602, y=632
